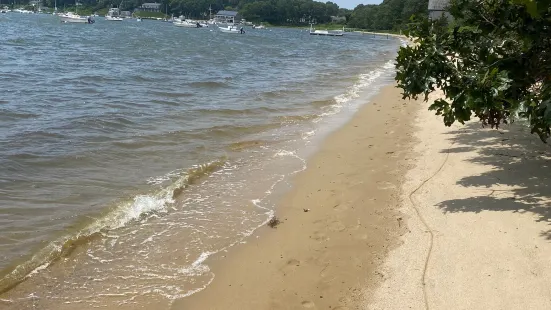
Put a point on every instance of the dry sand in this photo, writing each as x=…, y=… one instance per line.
x=325, y=257
x=484, y=197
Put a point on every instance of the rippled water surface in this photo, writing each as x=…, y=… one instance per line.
x=132, y=151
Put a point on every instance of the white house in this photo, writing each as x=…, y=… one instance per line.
x=228, y=17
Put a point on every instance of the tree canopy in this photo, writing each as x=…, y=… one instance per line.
x=493, y=62
x=290, y=12
x=389, y=15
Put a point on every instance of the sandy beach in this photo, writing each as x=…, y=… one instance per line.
x=338, y=222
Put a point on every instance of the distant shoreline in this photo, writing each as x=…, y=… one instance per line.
x=401, y=36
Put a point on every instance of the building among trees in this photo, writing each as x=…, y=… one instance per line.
x=437, y=8
x=150, y=7
x=226, y=17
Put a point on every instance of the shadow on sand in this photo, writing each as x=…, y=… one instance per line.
x=520, y=179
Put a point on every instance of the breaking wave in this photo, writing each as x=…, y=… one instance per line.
x=139, y=208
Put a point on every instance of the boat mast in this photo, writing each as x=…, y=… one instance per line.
x=210, y=11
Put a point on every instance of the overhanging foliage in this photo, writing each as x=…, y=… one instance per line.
x=493, y=61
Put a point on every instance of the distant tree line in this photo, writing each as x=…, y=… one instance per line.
x=290, y=12
x=389, y=15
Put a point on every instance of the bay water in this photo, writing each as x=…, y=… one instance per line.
x=131, y=151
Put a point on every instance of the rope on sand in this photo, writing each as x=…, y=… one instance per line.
x=431, y=232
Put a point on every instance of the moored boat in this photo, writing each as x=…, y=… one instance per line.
x=114, y=14
x=326, y=32
x=232, y=29
x=187, y=24
x=71, y=17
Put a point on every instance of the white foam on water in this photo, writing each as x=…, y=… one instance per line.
x=306, y=135
x=197, y=268
x=354, y=91
x=38, y=269
x=142, y=204
x=191, y=292
x=103, y=261
x=167, y=177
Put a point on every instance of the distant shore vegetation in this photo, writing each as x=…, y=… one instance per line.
x=390, y=15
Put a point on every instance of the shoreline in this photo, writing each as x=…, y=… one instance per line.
x=399, y=36
x=38, y=283
x=334, y=214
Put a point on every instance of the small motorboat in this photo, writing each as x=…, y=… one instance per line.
x=232, y=29
x=326, y=32
x=186, y=24
x=71, y=17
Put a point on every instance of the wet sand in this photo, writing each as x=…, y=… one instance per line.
x=338, y=222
